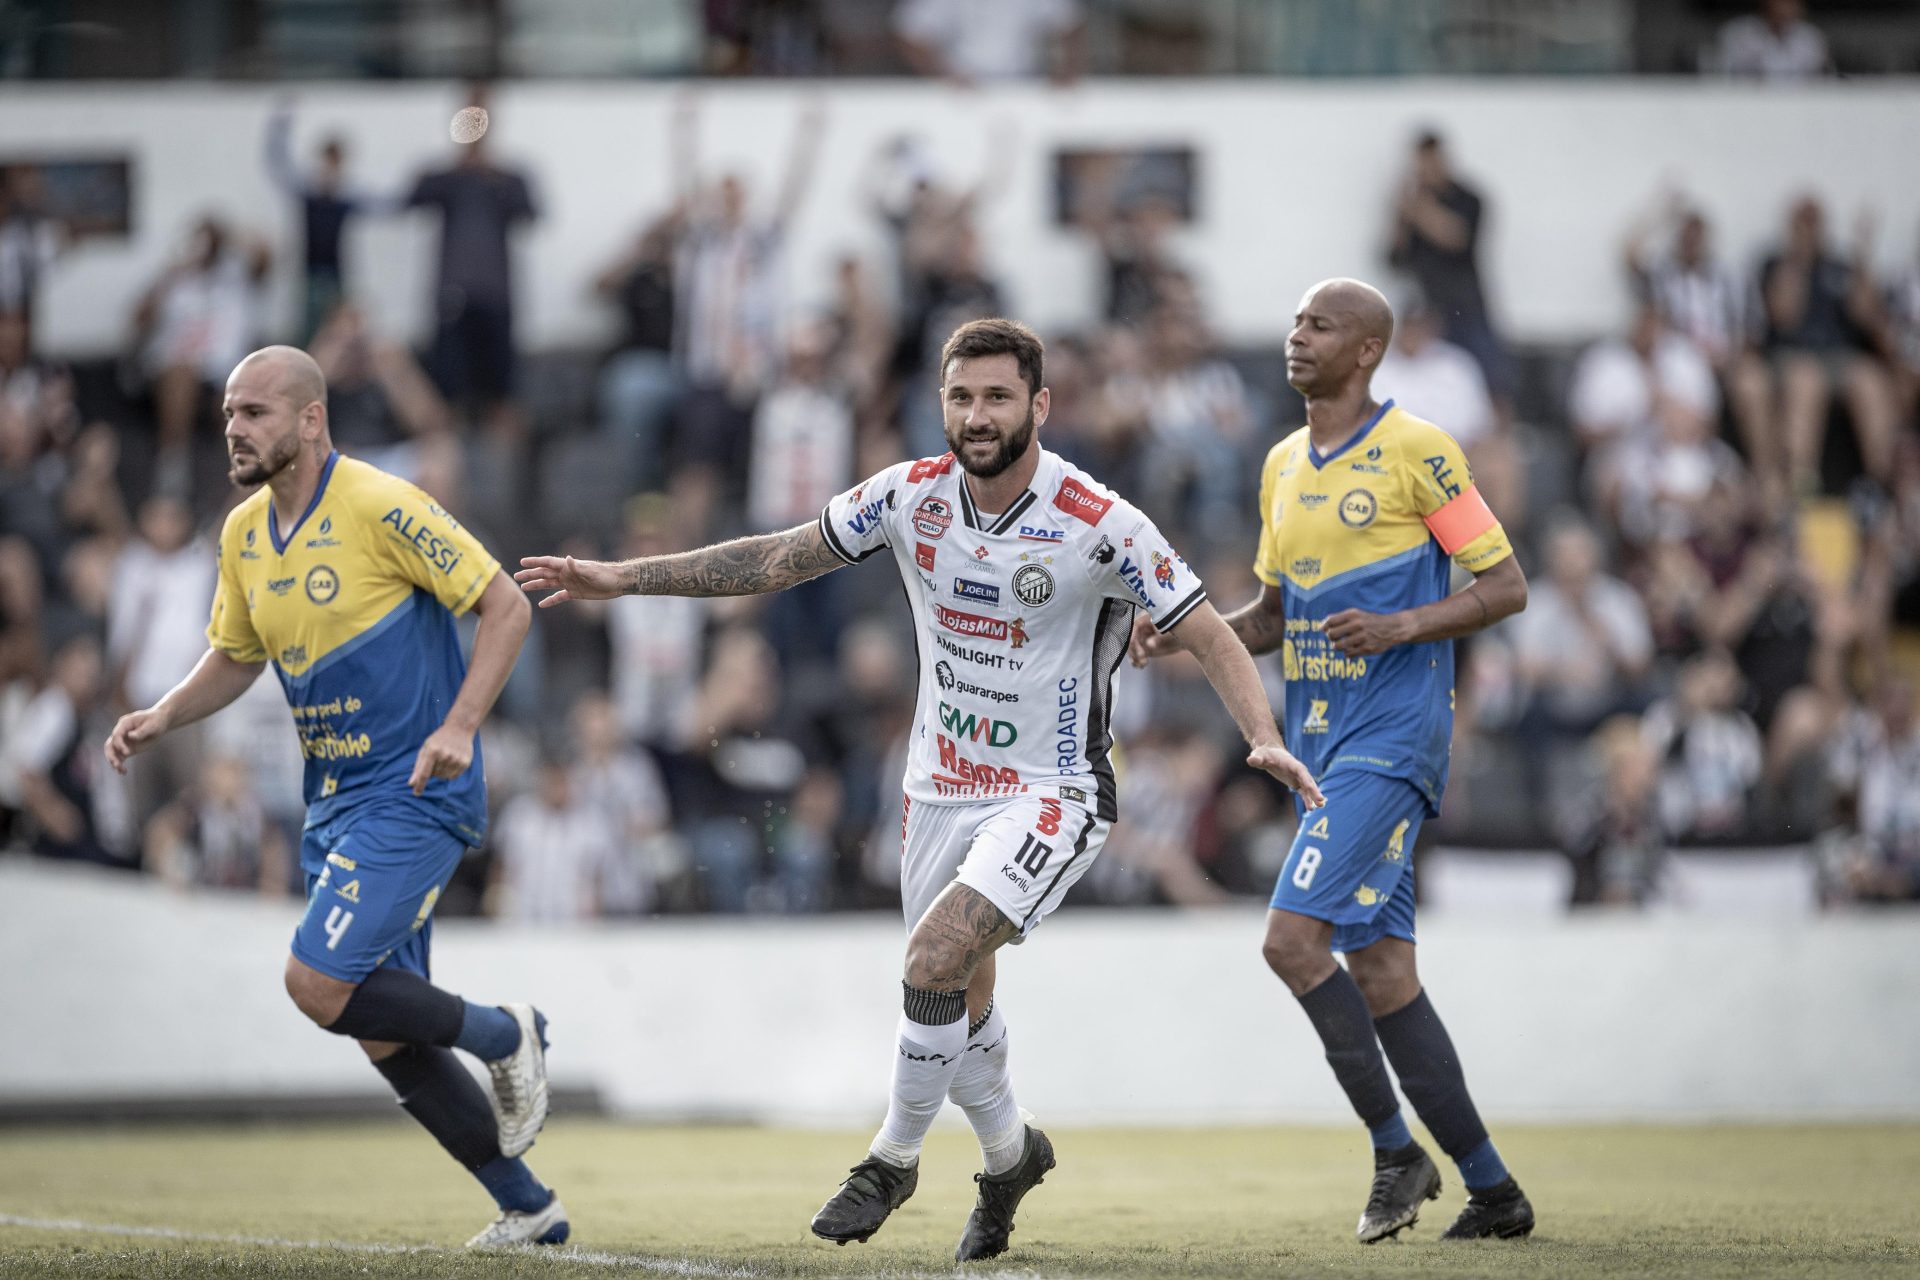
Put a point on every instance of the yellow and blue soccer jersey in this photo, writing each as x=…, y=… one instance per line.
x=354, y=606
x=1376, y=525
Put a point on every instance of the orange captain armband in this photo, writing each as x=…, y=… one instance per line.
x=1465, y=517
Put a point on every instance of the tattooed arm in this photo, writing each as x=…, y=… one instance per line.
x=743, y=567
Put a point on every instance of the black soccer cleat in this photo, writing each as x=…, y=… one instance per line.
x=991, y=1221
x=1499, y=1212
x=1403, y=1180
x=873, y=1190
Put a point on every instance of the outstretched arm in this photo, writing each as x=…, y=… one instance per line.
x=743, y=567
x=1229, y=669
x=1260, y=625
x=215, y=681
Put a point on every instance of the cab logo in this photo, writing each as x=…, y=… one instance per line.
x=977, y=728
x=323, y=584
x=932, y=518
x=1358, y=508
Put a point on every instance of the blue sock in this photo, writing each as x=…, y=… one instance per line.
x=488, y=1032
x=1391, y=1134
x=1482, y=1167
x=512, y=1185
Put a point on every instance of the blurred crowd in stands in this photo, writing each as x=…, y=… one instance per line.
x=1719, y=508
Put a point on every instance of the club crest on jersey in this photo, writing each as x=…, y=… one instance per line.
x=323, y=584
x=1358, y=508
x=1033, y=533
x=932, y=518
x=1081, y=502
x=1033, y=585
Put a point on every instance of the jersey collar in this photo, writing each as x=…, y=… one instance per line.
x=999, y=524
x=1320, y=460
x=319, y=491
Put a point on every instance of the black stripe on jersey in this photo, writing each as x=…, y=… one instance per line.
x=1014, y=512
x=1181, y=610
x=967, y=513
x=1079, y=848
x=1110, y=636
x=826, y=531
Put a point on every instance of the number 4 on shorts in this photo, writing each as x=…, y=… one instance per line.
x=337, y=921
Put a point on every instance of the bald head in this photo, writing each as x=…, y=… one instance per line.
x=284, y=371
x=1365, y=306
x=1339, y=334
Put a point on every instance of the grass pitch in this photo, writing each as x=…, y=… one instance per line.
x=380, y=1200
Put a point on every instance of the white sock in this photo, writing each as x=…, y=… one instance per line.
x=983, y=1088
x=924, y=1061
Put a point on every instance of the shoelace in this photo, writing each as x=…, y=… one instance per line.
x=871, y=1178
x=506, y=1088
x=1384, y=1181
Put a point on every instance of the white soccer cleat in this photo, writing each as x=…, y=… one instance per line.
x=520, y=1085
x=544, y=1226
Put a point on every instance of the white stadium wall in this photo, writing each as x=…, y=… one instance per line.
x=1293, y=179
x=119, y=988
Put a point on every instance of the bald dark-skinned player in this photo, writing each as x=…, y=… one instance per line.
x=1365, y=512
x=347, y=581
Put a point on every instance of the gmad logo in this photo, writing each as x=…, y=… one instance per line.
x=976, y=728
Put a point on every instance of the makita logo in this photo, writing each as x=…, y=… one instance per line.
x=1081, y=502
x=969, y=624
x=977, y=728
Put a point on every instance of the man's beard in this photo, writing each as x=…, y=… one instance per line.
x=1010, y=451
x=265, y=467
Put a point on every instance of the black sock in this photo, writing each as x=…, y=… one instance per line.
x=392, y=1004
x=1339, y=1013
x=447, y=1101
x=1423, y=1057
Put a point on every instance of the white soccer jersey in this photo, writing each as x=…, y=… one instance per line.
x=1021, y=619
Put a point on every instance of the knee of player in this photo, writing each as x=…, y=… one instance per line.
x=315, y=994
x=1291, y=956
x=936, y=964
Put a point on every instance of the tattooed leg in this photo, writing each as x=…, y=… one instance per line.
x=958, y=932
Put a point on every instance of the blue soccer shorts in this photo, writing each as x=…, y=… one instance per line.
x=373, y=876
x=1352, y=862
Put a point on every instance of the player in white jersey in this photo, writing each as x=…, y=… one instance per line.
x=1024, y=575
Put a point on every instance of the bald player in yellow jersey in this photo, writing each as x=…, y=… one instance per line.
x=1366, y=514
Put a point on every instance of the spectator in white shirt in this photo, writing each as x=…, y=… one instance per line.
x=156, y=631
x=656, y=645
x=52, y=758
x=1583, y=643
x=973, y=40
x=1777, y=44
x=1711, y=749
x=554, y=850
x=625, y=786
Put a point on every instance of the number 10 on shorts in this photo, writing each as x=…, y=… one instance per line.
x=1302, y=871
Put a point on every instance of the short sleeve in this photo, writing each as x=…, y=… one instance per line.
x=426, y=546
x=1144, y=568
x=230, y=630
x=1266, y=560
x=1441, y=489
x=855, y=524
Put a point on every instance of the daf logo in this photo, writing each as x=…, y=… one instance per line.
x=1033, y=585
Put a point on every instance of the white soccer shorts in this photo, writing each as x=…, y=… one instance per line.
x=1022, y=853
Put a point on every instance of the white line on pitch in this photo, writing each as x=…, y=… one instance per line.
x=587, y=1257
